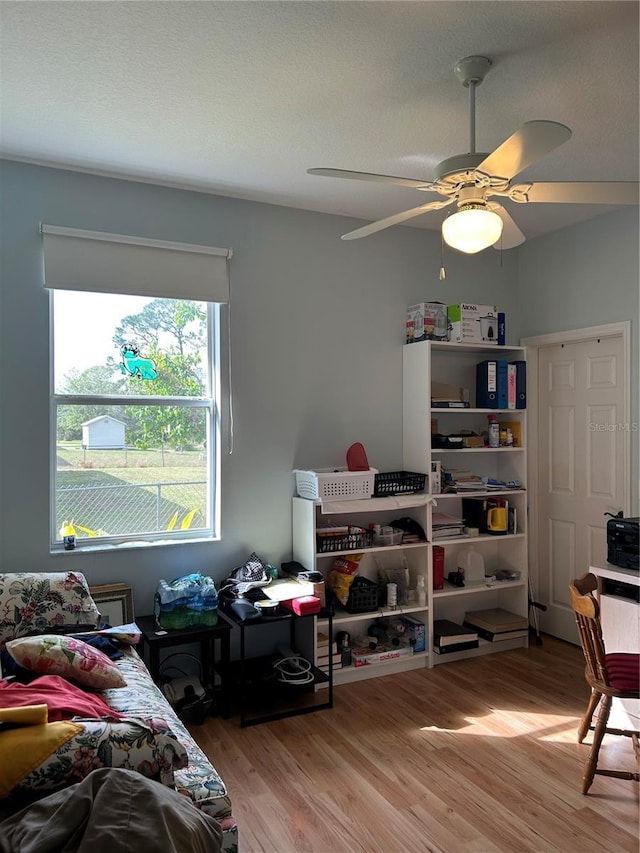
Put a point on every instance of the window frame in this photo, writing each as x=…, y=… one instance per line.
x=213, y=454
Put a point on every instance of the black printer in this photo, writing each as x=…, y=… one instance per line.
x=623, y=542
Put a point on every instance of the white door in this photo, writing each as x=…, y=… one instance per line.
x=582, y=465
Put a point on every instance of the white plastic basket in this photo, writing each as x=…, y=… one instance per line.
x=327, y=484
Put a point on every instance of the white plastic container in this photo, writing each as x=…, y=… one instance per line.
x=472, y=563
x=335, y=484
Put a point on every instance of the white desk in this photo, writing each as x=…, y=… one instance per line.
x=620, y=620
x=620, y=617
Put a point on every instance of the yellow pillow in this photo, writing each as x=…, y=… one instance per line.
x=73, y=659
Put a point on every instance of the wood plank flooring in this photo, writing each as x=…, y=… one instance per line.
x=478, y=756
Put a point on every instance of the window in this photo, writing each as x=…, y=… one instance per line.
x=134, y=412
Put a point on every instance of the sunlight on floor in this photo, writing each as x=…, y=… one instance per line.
x=510, y=723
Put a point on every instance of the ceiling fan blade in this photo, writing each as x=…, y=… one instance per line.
x=372, y=227
x=511, y=235
x=527, y=145
x=369, y=176
x=580, y=192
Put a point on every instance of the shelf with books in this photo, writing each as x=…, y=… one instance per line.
x=431, y=365
x=404, y=563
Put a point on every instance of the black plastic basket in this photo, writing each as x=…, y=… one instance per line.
x=363, y=596
x=354, y=540
x=398, y=483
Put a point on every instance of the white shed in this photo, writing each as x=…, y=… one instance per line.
x=103, y=433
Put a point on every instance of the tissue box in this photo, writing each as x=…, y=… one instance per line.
x=473, y=324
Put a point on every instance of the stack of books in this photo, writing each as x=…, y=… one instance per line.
x=496, y=625
x=446, y=526
x=450, y=637
x=326, y=650
x=457, y=480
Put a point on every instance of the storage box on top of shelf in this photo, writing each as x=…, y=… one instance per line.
x=426, y=321
x=335, y=484
x=415, y=633
x=470, y=323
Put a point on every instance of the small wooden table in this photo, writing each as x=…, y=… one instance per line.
x=155, y=638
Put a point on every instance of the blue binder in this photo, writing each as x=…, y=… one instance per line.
x=521, y=384
x=503, y=386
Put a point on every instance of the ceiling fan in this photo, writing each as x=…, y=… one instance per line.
x=472, y=180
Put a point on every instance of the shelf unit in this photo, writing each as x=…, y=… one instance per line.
x=455, y=364
x=309, y=515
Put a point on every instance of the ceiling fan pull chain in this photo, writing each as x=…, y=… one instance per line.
x=443, y=272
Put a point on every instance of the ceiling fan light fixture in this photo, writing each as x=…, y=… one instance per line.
x=472, y=228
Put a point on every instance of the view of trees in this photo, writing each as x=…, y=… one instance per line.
x=172, y=334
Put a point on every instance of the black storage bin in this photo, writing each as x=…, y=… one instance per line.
x=398, y=483
x=363, y=596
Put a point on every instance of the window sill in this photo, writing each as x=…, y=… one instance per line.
x=127, y=546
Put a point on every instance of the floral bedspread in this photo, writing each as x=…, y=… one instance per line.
x=141, y=698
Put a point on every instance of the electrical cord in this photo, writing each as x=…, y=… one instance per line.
x=293, y=670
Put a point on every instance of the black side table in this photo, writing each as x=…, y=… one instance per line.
x=263, y=701
x=155, y=638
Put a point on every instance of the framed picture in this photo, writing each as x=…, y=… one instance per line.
x=115, y=605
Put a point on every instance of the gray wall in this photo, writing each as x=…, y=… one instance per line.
x=317, y=329
x=582, y=276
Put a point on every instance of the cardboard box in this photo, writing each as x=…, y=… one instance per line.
x=365, y=657
x=415, y=630
x=451, y=393
x=471, y=323
x=426, y=321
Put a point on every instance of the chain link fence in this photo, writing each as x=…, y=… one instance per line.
x=93, y=492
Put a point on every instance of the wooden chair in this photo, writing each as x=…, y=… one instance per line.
x=608, y=675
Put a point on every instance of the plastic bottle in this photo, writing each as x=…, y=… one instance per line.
x=471, y=562
x=421, y=590
x=392, y=596
x=494, y=431
x=509, y=438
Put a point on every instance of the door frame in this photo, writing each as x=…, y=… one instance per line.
x=534, y=345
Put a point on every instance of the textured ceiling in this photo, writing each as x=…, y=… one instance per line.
x=241, y=98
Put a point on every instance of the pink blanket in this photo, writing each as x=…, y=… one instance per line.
x=63, y=699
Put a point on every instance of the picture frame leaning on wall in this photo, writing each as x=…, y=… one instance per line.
x=115, y=603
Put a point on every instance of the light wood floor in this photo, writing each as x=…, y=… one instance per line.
x=472, y=757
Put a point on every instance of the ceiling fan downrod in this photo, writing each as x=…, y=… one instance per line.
x=471, y=71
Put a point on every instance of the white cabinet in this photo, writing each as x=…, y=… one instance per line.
x=455, y=364
x=310, y=516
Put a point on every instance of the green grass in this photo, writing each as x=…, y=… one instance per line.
x=139, y=509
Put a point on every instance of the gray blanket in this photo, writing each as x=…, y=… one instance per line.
x=112, y=810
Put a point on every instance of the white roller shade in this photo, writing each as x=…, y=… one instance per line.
x=115, y=263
